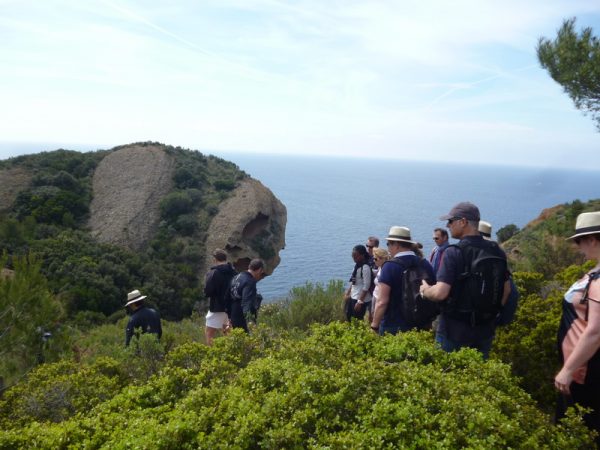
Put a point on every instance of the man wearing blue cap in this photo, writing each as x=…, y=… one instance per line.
x=472, y=284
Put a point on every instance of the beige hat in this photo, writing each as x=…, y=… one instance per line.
x=587, y=223
x=485, y=229
x=401, y=234
x=134, y=296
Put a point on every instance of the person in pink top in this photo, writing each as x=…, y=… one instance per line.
x=579, y=334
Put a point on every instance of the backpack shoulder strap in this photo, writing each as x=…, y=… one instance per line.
x=585, y=298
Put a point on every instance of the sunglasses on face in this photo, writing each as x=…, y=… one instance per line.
x=453, y=219
x=369, y=246
x=436, y=238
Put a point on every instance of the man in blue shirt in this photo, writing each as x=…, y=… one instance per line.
x=244, y=298
x=440, y=237
x=455, y=332
x=142, y=317
x=388, y=317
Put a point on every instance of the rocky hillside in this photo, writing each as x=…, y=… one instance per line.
x=160, y=209
x=127, y=188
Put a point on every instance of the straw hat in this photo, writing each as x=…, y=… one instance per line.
x=134, y=296
x=485, y=229
x=587, y=223
x=400, y=234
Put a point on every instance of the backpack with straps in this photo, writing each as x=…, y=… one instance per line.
x=477, y=295
x=584, y=297
x=417, y=311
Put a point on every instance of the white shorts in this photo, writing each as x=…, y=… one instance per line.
x=216, y=319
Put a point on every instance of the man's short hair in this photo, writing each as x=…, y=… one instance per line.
x=375, y=240
x=220, y=255
x=256, y=264
x=443, y=232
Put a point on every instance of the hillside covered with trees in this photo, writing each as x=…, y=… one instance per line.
x=303, y=378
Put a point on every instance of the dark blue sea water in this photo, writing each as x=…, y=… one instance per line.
x=334, y=204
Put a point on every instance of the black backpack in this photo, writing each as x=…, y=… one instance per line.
x=476, y=297
x=235, y=294
x=416, y=311
x=372, y=284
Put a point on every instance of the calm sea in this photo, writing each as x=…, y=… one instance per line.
x=334, y=204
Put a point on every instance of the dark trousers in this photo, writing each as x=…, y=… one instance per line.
x=350, y=312
x=237, y=316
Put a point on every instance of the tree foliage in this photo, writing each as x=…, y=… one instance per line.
x=506, y=232
x=573, y=60
x=30, y=318
x=340, y=386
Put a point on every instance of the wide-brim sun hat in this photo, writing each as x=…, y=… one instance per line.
x=587, y=223
x=485, y=229
x=134, y=296
x=400, y=234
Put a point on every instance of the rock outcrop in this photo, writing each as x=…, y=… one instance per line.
x=130, y=182
x=12, y=181
x=128, y=185
x=250, y=224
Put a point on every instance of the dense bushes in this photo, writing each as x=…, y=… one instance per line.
x=30, y=319
x=306, y=305
x=342, y=386
x=49, y=218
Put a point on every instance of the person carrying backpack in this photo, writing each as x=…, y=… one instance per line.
x=472, y=284
x=399, y=305
x=217, y=288
x=357, y=299
x=245, y=301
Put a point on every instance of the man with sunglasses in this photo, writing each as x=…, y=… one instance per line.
x=372, y=242
x=459, y=326
x=440, y=237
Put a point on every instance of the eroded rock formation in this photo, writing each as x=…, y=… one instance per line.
x=250, y=224
x=128, y=185
x=12, y=181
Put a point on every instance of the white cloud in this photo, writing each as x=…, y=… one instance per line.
x=394, y=78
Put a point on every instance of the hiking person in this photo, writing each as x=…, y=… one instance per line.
x=380, y=256
x=440, y=237
x=389, y=316
x=142, y=317
x=217, y=285
x=472, y=284
x=357, y=298
x=578, y=380
x=372, y=243
x=245, y=301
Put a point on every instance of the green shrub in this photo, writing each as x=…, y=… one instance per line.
x=340, y=387
x=306, y=305
x=28, y=311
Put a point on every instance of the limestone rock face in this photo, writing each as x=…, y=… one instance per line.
x=128, y=186
x=12, y=181
x=250, y=224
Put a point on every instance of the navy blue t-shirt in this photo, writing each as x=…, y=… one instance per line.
x=391, y=274
x=454, y=329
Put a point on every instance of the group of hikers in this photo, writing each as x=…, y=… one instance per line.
x=462, y=291
x=233, y=300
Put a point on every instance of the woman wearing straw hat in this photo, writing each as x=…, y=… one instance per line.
x=579, y=334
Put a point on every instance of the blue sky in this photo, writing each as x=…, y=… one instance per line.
x=432, y=80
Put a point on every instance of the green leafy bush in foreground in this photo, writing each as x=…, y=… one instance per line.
x=339, y=387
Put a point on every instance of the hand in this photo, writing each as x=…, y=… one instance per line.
x=358, y=306
x=562, y=381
